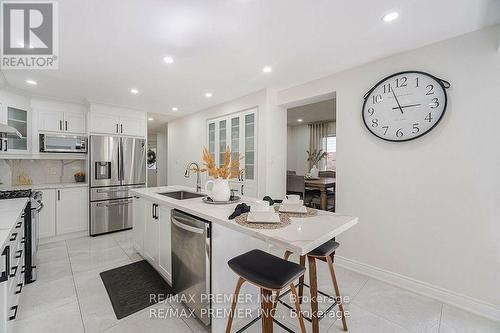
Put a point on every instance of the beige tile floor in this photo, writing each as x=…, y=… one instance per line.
x=69, y=297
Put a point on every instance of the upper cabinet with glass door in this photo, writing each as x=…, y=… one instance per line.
x=238, y=131
x=20, y=120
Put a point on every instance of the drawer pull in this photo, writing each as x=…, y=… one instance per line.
x=19, y=254
x=19, y=225
x=14, y=268
x=14, y=237
x=20, y=286
x=23, y=240
x=15, y=312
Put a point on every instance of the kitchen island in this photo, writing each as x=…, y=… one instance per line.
x=152, y=232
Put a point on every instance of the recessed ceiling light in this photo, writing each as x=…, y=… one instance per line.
x=267, y=69
x=208, y=95
x=168, y=60
x=299, y=120
x=175, y=109
x=134, y=91
x=150, y=119
x=390, y=17
x=32, y=82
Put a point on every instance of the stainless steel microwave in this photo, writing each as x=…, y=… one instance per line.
x=57, y=143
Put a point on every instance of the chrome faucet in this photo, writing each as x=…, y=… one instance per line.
x=187, y=173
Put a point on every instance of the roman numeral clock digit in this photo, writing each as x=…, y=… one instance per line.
x=405, y=105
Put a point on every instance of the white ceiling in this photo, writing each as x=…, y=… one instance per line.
x=157, y=123
x=108, y=47
x=311, y=113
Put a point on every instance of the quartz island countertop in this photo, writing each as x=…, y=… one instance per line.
x=301, y=236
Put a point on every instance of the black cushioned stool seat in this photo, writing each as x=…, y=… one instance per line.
x=266, y=270
x=324, y=249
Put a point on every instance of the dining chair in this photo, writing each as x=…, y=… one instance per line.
x=295, y=185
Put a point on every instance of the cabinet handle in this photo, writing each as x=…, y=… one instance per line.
x=6, y=144
x=59, y=195
x=15, y=312
x=242, y=186
x=121, y=128
x=19, y=225
x=20, y=286
x=19, y=254
x=13, y=237
x=5, y=274
x=66, y=125
x=116, y=128
x=153, y=211
x=14, y=268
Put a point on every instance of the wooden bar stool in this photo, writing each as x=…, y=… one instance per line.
x=270, y=274
x=326, y=253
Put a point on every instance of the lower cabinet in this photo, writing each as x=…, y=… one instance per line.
x=64, y=211
x=11, y=276
x=139, y=217
x=47, y=216
x=152, y=232
x=165, y=243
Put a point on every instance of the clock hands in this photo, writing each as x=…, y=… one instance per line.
x=406, y=106
x=399, y=105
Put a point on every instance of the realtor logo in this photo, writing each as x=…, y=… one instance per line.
x=29, y=35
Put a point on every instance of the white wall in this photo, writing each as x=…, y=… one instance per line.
x=429, y=209
x=162, y=157
x=298, y=138
x=187, y=136
x=297, y=143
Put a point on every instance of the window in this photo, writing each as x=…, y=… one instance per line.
x=330, y=146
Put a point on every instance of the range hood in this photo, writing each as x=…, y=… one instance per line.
x=6, y=129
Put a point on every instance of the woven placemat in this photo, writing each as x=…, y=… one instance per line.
x=310, y=212
x=242, y=220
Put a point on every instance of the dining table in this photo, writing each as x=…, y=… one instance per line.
x=322, y=184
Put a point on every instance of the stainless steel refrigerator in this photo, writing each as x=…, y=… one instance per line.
x=117, y=164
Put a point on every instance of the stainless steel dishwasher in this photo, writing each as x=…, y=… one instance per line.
x=191, y=268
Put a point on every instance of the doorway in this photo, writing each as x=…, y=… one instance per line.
x=311, y=153
x=157, y=149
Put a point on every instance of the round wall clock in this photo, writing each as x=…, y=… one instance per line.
x=405, y=105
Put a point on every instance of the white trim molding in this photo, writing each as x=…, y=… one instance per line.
x=464, y=302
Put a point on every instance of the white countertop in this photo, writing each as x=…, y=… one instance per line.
x=44, y=186
x=301, y=236
x=10, y=210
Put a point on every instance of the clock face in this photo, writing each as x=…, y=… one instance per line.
x=405, y=106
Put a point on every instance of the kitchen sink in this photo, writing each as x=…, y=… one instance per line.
x=182, y=195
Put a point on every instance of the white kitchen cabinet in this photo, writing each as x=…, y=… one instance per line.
x=110, y=120
x=47, y=216
x=74, y=122
x=151, y=234
x=71, y=210
x=139, y=222
x=165, y=243
x=20, y=119
x=50, y=121
x=61, y=121
x=152, y=221
x=239, y=132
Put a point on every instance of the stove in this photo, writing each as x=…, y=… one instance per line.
x=15, y=194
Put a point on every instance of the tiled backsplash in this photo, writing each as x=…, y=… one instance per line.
x=42, y=171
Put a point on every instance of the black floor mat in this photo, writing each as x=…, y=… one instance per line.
x=129, y=287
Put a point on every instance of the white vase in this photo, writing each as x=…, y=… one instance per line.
x=314, y=171
x=220, y=190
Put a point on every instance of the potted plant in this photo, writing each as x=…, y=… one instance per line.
x=220, y=190
x=314, y=157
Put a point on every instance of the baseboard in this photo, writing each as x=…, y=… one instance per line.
x=443, y=295
x=72, y=235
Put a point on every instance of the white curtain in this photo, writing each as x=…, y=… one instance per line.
x=318, y=131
